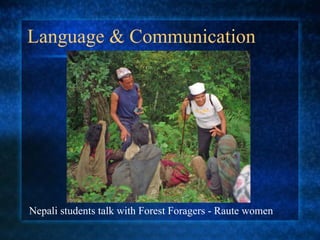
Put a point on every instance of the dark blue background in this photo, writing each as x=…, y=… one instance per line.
x=305, y=12
x=274, y=110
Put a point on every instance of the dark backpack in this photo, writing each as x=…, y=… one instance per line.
x=173, y=173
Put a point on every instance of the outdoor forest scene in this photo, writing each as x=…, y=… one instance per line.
x=163, y=78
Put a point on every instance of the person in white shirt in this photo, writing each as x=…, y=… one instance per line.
x=209, y=115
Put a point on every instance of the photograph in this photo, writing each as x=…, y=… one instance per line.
x=158, y=126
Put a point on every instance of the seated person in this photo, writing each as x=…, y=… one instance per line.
x=140, y=168
x=221, y=172
x=226, y=165
x=92, y=158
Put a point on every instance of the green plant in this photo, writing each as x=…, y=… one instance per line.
x=111, y=194
x=75, y=141
x=114, y=139
x=147, y=199
x=164, y=77
x=167, y=137
x=239, y=127
x=96, y=191
x=72, y=189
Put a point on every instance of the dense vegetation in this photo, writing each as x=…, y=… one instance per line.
x=164, y=77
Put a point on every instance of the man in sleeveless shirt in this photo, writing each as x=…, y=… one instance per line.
x=126, y=105
x=209, y=115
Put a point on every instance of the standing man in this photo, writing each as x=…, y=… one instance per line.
x=209, y=115
x=126, y=105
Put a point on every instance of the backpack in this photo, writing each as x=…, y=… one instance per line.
x=173, y=173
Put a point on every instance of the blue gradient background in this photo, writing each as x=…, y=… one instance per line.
x=274, y=111
x=13, y=12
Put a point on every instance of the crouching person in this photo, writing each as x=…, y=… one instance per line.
x=140, y=168
x=221, y=172
x=92, y=158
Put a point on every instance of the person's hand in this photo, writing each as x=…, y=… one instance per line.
x=185, y=103
x=138, y=110
x=124, y=134
x=216, y=132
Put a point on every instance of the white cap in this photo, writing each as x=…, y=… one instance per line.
x=197, y=88
x=121, y=72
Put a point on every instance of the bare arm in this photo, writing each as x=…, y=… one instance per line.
x=140, y=102
x=140, y=99
x=223, y=122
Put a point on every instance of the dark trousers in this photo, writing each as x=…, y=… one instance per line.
x=204, y=141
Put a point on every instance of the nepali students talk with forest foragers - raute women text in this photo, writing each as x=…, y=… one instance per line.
x=126, y=105
x=209, y=115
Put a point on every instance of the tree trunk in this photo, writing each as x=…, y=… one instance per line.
x=87, y=113
x=102, y=107
x=156, y=101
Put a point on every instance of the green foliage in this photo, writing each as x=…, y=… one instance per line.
x=147, y=199
x=88, y=87
x=114, y=139
x=239, y=127
x=72, y=189
x=96, y=191
x=75, y=141
x=167, y=137
x=164, y=77
x=89, y=75
x=110, y=194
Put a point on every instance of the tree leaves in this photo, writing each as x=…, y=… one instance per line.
x=164, y=77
